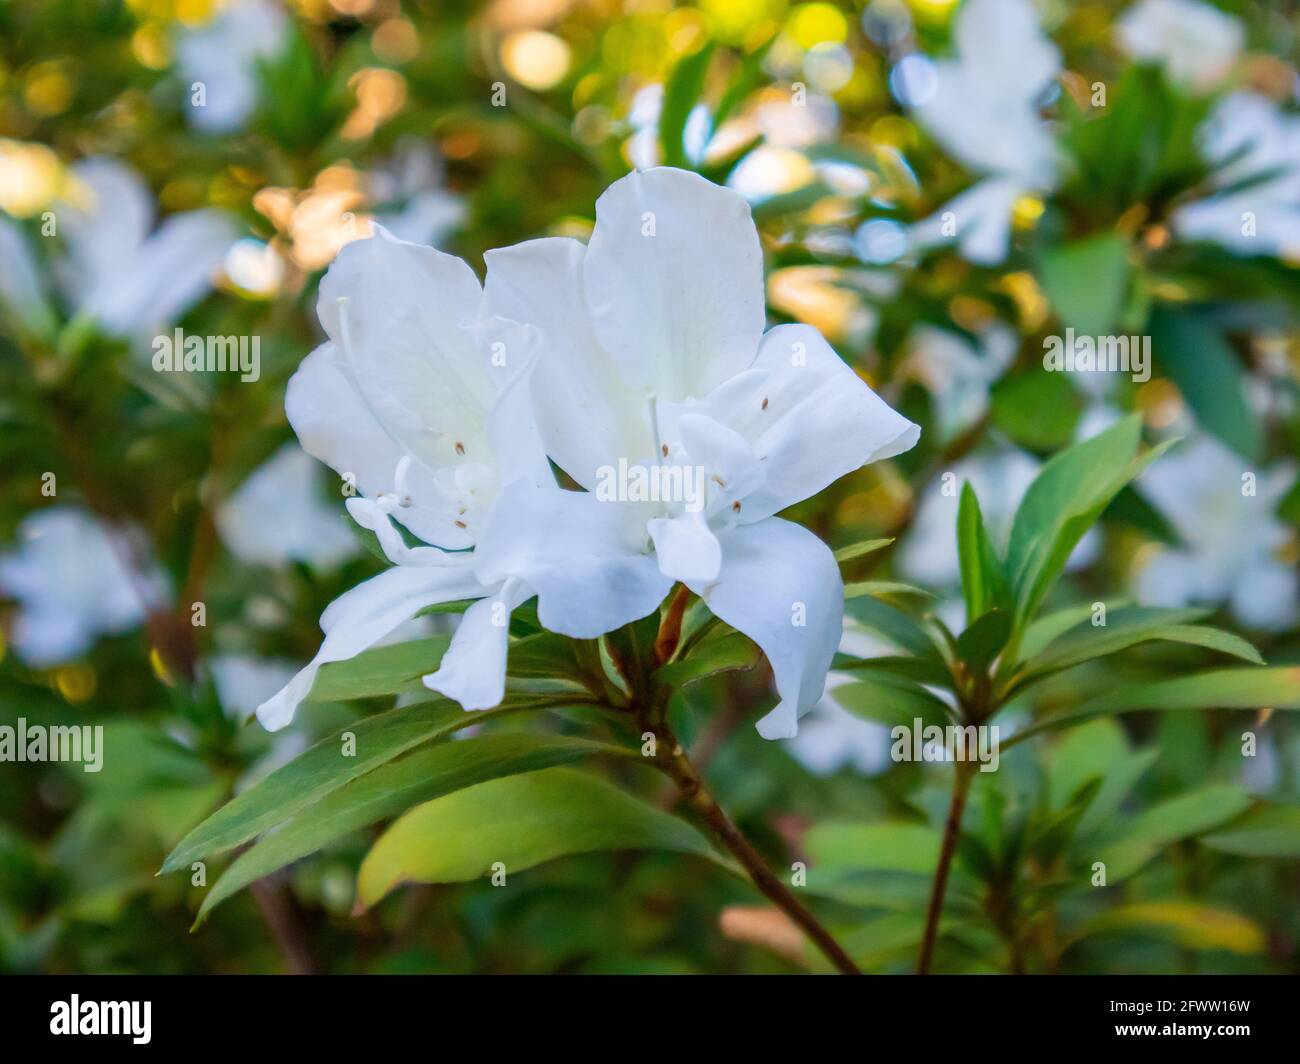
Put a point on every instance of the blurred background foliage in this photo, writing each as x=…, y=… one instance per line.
x=476, y=126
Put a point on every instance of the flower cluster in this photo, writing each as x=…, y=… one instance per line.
x=442, y=400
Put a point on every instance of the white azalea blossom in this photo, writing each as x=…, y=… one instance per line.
x=74, y=579
x=985, y=111
x=1196, y=43
x=1233, y=545
x=277, y=516
x=1255, y=146
x=222, y=55
x=404, y=401
x=129, y=278
x=654, y=357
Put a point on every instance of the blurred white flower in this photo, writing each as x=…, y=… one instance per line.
x=22, y=292
x=830, y=737
x=130, y=279
x=1232, y=541
x=429, y=415
x=244, y=682
x=75, y=579
x=984, y=109
x=223, y=55
x=956, y=373
x=277, y=515
x=653, y=355
x=1196, y=43
x=410, y=200
x=1255, y=146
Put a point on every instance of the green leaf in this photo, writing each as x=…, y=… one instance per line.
x=378, y=671
x=681, y=93
x=1036, y=409
x=1198, y=359
x=520, y=821
x=883, y=587
x=747, y=78
x=1065, y=498
x=1187, y=924
x=728, y=653
x=1268, y=831
x=1086, y=282
x=890, y=699
x=1130, y=628
x=984, y=640
x=919, y=669
x=858, y=550
x=322, y=769
x=1275, y=687
x=1182, y=817
x=899, y=628
x=417, y=777
x=885, y=847
x=983, y=583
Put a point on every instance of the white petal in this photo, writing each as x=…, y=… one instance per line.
x=674, y=281
x=686, y=548
x=586, y=559
x=473, y=671
x=810, y=420
x=780, y=585
x=335, y=425
x=360, y=617
x=400, y=332
x=587, y=415
x=109, y=214
x=982, y=222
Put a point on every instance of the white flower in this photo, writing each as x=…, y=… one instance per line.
x=223, y=56
x=984, y=110
x=956, y=373
x=1231, y=540
x=277, y=516
x=406, y=402
x=654, y=356
x=130, y=279
x=1196, y=43
x=76, y=580
x=1256, y=146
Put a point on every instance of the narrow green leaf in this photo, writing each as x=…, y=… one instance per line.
x=1065, y=499
x=1276, y=687
x=984, y=640
x=921, y=670
x=1182, y=817
x=378, y=671
x=890, y=699
x=393, y=788
x=899, y=628
x=520, y=821
x=1086, y=282
x=1211, y=377
x=730, y=652
x=858, y=550
x=1267, y=831
x=883, y=587
x=1188, y=924
x=681, y=93
x=322, y=769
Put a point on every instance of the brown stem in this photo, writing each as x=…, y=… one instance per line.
x=951, y=832
x=672, y=758
x=284, y=921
